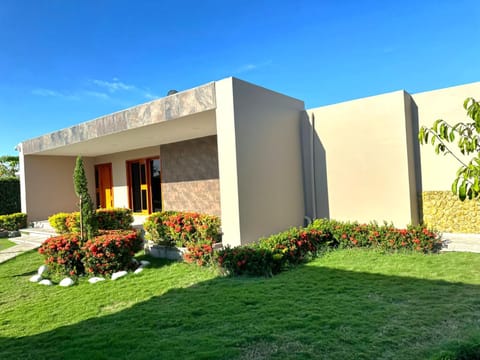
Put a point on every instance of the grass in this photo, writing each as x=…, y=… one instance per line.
x=349, y=304
x=5, y=244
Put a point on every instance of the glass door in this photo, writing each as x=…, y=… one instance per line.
x=144, y=185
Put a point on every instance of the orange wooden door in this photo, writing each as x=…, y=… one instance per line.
x=104, y=186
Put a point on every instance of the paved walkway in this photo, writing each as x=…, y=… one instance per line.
x=461, y=242
x=24, y=243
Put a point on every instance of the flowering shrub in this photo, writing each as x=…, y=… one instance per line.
x=182, y=228
x=200, y=253
x=114, y=219
x=156, y=230
x=63, y=254
x=295, y=246
x=72, y=222
x=385, y=237
x=111, y=251
x=246, y=260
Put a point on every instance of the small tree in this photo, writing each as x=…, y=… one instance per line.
x=8, y=166
x=467, y=138
x=88, y=226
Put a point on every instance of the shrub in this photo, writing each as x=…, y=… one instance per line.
x=59, y=222
x=111, y=251
x=295, y=246
x=200, y=253
x=182, y=228
x=9, y=196
x=72, y=222
x=114, y=219
x=385, y=237
x=63, y=255
x=107, y=219
x=246, y=260
x=13, y=222
x=156, y=230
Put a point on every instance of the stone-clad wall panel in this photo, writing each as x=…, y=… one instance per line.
x=190, y=180
x=443, y=211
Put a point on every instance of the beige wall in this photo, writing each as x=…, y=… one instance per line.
x=259, y=161
x=368, y=164
x=438, y=172
x=40, y=201
x=119, y=170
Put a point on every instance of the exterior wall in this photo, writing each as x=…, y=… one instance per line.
x=190, y=180
x=438, y=172
x=369, y=166
x=445, y=212
x=260, y=166
x=441, y=209
x=47, y=185
x=119, y=170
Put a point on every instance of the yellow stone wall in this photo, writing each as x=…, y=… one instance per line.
x=444, y=212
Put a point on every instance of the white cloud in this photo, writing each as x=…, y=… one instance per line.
x=97, y=94
x=53, y=93
x=251, y=67
x=100, y=89
x=114, y=85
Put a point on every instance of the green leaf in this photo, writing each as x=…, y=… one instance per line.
x=462, y=191
x=454, y=186
x=452, y=136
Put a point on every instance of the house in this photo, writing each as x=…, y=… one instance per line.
x=255, y=157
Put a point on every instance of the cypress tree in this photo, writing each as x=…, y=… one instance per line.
x=88, y=226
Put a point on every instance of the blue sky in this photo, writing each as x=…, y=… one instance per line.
x=67, y=61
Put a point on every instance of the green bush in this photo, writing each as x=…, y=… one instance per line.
x=246, y=260
x=9, y=196
x=107, y=219
x=111, y=251
x=63, y=255
x=156, y=230
x=13, y=222
x=114, y=219
x=59, y=222
x=182, y=228
x=296, y=245
x=104, y=254
x=385, y=237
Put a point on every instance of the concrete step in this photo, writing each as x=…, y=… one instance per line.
x=38, y=231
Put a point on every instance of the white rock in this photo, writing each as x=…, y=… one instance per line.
x=94, y=280
x=45, y=282
x=66, y=282
x=139, y=270
x=144, y=262
x=42, y=269
x=118, y=275
x=134, y=261
x=36, y=278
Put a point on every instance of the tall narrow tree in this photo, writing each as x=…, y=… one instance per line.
x=87, y=213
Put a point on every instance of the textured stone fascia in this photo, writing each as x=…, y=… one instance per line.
x=184, y=103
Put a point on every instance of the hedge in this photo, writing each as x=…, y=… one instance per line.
x=108, y=219
x=9, y=196
x=13, y=222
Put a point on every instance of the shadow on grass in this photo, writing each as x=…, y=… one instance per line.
x=311, y=312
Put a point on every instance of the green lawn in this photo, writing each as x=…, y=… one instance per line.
x=5, y=244
x=349, y=304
